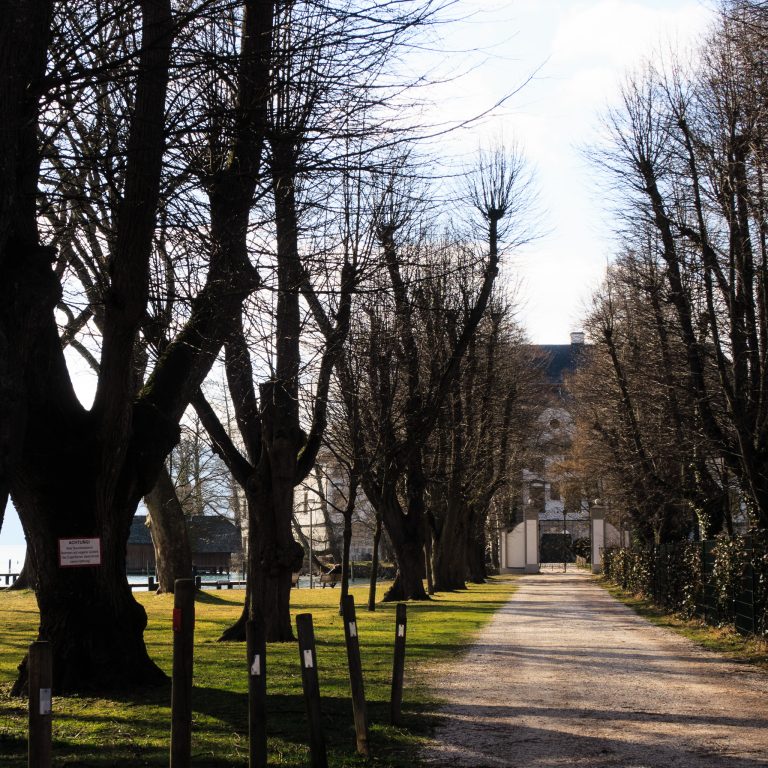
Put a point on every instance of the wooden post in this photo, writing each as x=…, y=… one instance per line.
x=198, y=582
x=398, y=665
x=311, y=685
x=40, y=669
x=150, y=583
x=257, y=694
x=355, y=675
x=181, y=688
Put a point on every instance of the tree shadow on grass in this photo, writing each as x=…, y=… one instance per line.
x=287, y=723
x=485, y=736
x=212, y=598
x=226, y=723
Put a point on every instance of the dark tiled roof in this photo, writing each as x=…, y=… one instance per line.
x=139, y=531
x=213, y=534
x=558, y=360
x=206, y=534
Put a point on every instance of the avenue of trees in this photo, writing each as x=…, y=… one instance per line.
x=674, y=404
x=229, y=186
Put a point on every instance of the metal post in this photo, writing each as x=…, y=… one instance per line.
x=40, y=668
x=181, y=687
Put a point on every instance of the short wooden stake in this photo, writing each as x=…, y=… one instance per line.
x=311, y=685
x=398, y=665
x=257, y=694
x=40, y=671
x=181, y=687
x=352, y=640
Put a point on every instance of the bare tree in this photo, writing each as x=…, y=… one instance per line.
x=690, y=155
x=80, y=472
x=401, y=389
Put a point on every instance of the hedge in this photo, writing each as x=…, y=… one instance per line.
x=723, y=581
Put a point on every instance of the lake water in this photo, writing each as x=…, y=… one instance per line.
x=212, y=579
x=11, y=555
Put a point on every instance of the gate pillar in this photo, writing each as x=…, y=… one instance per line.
x=531, y=520
x=597, y=534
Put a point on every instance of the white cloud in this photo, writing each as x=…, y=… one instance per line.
x=619, y=34
x=580, y=51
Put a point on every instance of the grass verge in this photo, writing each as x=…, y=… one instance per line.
x=723, y=640
x=134, y=730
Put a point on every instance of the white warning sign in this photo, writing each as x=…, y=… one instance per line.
x=45, y=701
x=79, y=553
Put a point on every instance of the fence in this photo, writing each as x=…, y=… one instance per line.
x=723, y=581
x=40, y=668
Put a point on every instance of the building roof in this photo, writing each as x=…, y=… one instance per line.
x=206, y=534
x=559, y=360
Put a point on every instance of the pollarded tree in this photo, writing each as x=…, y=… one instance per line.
x=637, y=420
x=322, y=122
x=331, y=107
x=486, y=429
x=399, y=393
x=690, y=153
x=75, y=472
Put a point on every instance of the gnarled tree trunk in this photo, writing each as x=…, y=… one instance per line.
x=88, y=614
x=170, y=538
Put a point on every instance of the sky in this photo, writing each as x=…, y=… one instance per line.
x=574, y=55
x=571, y=55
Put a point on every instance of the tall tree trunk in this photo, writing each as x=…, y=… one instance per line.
x=273, y=557
x=349, y=510
x=409, y=579
x=451, y=549
x=26, y=577
x=406, y=534
x=3, y=503
x=450, y=555
x=97, y=640
x=273, y=553
x=476, y=571
x=170, y=538
x=75, y=474
x=374, y=564
x=428, y=567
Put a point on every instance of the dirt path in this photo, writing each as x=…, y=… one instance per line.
x=567, y=676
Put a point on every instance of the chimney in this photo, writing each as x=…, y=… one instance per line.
x=577, y=337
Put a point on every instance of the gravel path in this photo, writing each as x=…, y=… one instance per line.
x=565, y=675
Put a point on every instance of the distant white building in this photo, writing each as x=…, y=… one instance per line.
x=319, y=503
x=553, y=511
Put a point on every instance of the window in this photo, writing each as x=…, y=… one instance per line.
x=554, y=491
x=536, y=496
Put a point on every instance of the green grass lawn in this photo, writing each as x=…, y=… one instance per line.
x=134, y=731
x=723, y=640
